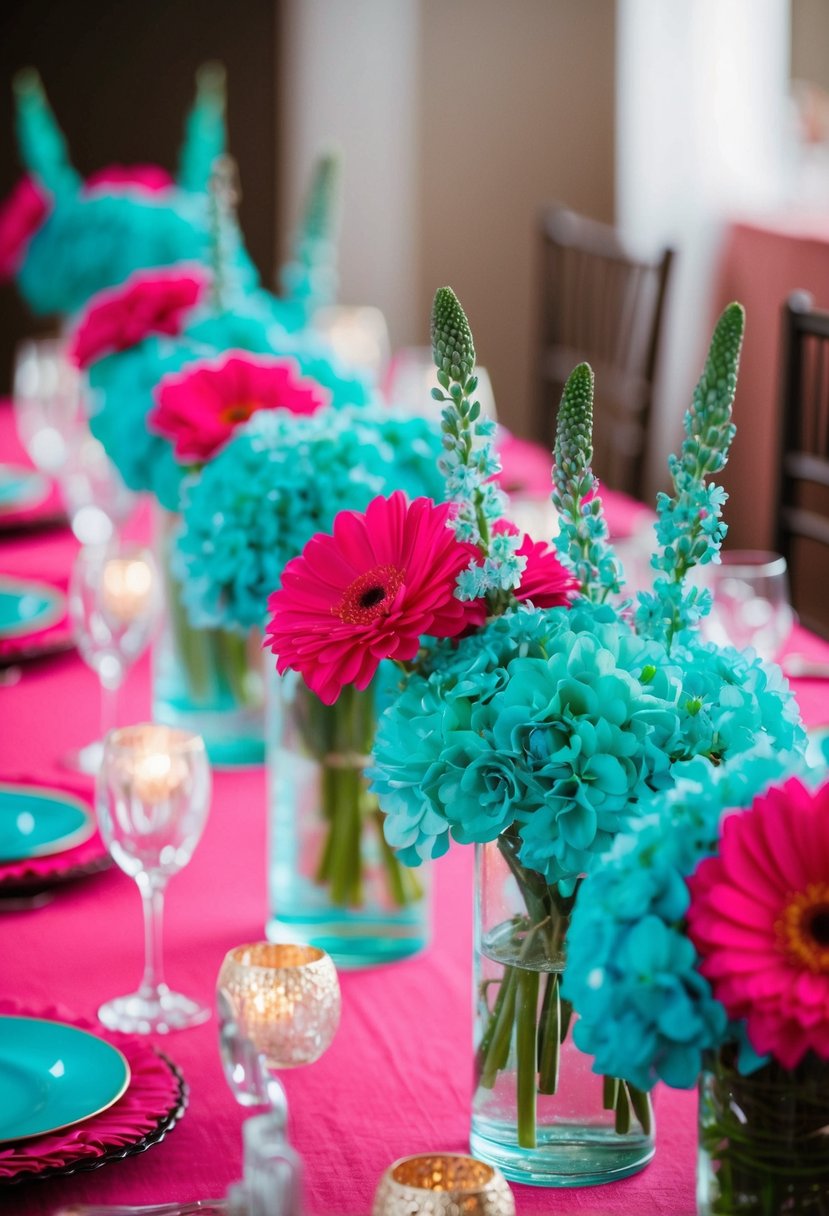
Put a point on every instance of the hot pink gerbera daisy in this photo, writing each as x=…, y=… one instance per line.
x=149, y=302
x=759, y=917
x=149, y=179
x=21, y=214
x=368, y=593
x=199, y=408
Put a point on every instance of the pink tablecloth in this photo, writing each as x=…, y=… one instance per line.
x=397, y=1079
x=761, y=263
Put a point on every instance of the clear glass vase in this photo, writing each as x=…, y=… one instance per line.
x=539, y=1113
x=334, y=881
x=763, y=1139
x=207, y=681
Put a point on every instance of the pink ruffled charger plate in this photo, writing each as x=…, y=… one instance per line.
x=36, y=873
x=152, y=1104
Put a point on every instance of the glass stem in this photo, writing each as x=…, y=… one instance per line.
x=112, y=677
x=152, y=889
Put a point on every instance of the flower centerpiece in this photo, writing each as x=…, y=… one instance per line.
x=701, y=956
x=333, y=879
x=176, y=359
x=539, y=727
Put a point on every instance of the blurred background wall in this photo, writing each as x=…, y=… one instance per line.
x=120, y=77
x=457, y=119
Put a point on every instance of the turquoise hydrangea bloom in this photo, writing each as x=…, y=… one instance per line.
x=558, y=721
x=645, y=1012
x=277, y=482
x=121, y=387
x=731, y=698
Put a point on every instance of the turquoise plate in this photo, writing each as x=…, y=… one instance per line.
x=53, y=1075
x=21, y=487
x=36, y=822
x=28, y=607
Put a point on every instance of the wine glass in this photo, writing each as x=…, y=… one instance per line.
x=93, y=493
x=114, y=607
x=412, y=375
x=152, y=799
x=51, y=401
x=358, y=335
x=49, y=405
x=751, y=601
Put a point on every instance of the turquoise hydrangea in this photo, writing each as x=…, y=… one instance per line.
x=645, y=1011
x=557, y=721
x=121, y=387
x=277, y=482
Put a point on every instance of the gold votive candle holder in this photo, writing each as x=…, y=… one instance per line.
x=443, y=1184
x=286, y=999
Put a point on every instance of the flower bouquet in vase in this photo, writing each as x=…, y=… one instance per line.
x=177, y=359
x=334, y=881
x=703, y=958
x=538, y=712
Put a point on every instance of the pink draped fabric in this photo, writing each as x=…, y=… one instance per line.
x=398, y=1078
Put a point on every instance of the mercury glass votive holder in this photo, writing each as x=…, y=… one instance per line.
x=286, y=1000
x=443, y=1184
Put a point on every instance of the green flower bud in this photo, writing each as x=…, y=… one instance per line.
x=452, y=347
x=574, y=430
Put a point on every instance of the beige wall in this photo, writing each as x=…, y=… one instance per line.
x=516, y=110
x=810, y=41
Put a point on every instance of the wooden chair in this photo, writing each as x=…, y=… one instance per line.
x=803, y=488
x=601, y=304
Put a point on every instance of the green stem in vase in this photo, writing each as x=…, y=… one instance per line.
x=642, y=1107
x=535, y=947
x=549, y=1036
x=233, y=661
x=493, y=1051
x=764, y=1135
x=340, y=737
x=526, y=1006
x=622, y=1122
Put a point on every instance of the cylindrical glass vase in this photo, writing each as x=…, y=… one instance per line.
x=207, y=681
x=763, y=1139
x=539, y=1113
x=334, y=881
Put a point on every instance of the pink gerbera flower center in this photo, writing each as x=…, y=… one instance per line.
x=803, y=927
x=239, y=411
x=370, y=596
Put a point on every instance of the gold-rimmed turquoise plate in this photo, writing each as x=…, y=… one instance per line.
x=53, y=1076
x=27, y=607
x=21, y=487
x=37, y=822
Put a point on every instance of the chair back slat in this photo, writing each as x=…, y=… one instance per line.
x=803, y=483
x=601, y=304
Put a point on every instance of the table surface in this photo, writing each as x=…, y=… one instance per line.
x=398, y=1077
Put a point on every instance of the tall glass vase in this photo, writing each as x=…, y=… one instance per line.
x=207, y=681
x=763, y=1139
x=539, y=1113
x=334, y=881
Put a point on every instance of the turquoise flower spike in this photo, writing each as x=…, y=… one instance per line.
x=582, y=539
x=205, y=134
x=469, y=462
x=689, y=529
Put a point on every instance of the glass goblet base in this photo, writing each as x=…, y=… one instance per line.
x=154, y=1013
x=86, y=759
